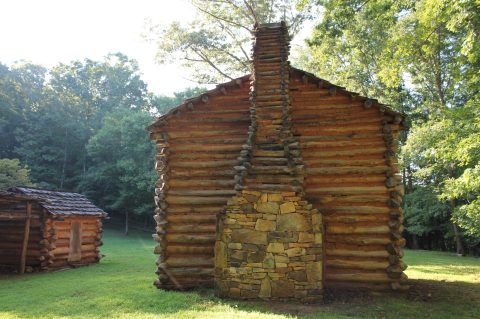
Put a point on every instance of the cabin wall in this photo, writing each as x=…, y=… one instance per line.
x=12, y=227
x=59, y=232
x=348, y=147
x=351, y=178
x=197, y=150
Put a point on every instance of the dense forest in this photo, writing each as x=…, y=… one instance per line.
x=80, y=126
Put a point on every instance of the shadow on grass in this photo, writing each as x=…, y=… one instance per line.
x=121, y=287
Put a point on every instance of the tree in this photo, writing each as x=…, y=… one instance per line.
x=215, y=46
x=73, y=104
x=162, y=103
x=121, y=178
x=445, y=155
x=13, y=174
x=21, y=88
x=419, y=57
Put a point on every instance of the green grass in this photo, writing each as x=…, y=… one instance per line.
x=443, y=286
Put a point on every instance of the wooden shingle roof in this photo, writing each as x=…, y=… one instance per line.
x=60, y=203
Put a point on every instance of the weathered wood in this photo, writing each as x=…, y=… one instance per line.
x=26, y=234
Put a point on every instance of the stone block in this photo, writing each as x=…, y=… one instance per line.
x=318, y=238
x=305, y=237
x=275, y=248
x=281, y=259
x=237, y=255
x=282, y=236
x=252, y=247
x=293, y=252
x=292, y=221
x=282, y=289
x=315, y=271
x=275, y=197
x=265, y=288
x=263, y=198
x=269, y=216
x=267, y=207
x=255, y=256
x=252, y=198
x=237, y=201
x=265, y=225
x=317, y=221
x=269, y=261
x=220, y=254
x=249, y=293
x=235, y=245
x=287, y=207
x=247, y=208
x=249, y=236
x=235, y=292
x=299, y=275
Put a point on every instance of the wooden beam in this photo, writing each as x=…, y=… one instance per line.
x=26, y=234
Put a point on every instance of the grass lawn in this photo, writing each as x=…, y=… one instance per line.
x=443, y=286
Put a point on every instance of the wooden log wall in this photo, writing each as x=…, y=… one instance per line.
x=12, y=227
x=58, y=232
x=195, y=162
x=348, y=146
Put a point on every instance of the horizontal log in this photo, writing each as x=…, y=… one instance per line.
x=348, y=190
x=359, y=276
x=341, y=170
x=197, y=200
x=189, y=261
x=191, y=271
x=356, y=264
x=201, y=192
x=201, y=183
x=351, y=229
x=191, y=238
x=193, y=218
x=194, y=228
x=356, y=253
x=358, y=239
x=184, y=249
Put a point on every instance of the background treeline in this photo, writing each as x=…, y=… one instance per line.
x=81, y=127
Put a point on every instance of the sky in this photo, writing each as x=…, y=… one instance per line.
x=51, y=31
x=48, y=32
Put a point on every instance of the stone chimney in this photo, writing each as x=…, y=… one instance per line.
x=269, y=238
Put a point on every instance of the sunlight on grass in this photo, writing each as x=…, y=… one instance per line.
x=442, y=266
x=120, y=286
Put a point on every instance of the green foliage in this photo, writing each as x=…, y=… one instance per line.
x=162, y=103
x=122, y=177
x=21, y=88
x=215, y=45
x=13, y=174
x=425, y=214
x=53, y=137
x=420, y=57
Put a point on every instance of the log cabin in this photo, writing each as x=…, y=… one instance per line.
x=278, y=184
x=46, y=230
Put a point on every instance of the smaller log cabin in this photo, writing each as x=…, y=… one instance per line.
x=46, y=230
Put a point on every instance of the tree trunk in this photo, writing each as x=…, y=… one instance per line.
x=458, y=241
x=414, y=241
x=126, y=223
x=64, y=164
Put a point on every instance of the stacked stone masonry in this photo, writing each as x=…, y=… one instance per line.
x=269, y=246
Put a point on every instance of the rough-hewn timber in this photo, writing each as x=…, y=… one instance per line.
x=348, y=146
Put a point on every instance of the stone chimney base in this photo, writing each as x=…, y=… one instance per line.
x=269, y=246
